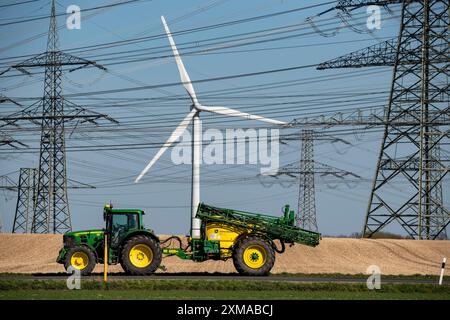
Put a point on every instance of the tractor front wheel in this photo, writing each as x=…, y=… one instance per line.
x=80, y=258
x=141, y=255
x=253, y=256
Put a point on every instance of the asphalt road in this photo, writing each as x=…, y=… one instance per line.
x=277, y=278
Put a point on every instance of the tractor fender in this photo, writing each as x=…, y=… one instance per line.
x=62, y=255
x=63, y=252
x=138, y=233
x=253, y=234
x=143, y=233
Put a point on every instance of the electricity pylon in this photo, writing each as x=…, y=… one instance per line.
x=306, y=208
x=409, y=160
x=306, y=170
x=26, y=197
x=51, y=209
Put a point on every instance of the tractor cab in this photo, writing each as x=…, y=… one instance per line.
x=120, y=223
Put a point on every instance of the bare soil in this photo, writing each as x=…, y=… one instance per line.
x=33, y=253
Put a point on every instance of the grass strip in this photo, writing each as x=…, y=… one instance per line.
x=218, y=285
x=446, y=278
x=211, y=295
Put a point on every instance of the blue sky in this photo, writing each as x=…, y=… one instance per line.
x=165, y=191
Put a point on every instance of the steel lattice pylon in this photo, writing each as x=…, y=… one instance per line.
x=305, y=171
x=419, y=86
x=438, y=226
x=306, y=213
x=407, y=187
x=51, y=210
x=26, y=196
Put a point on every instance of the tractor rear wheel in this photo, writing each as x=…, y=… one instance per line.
x=80, y=258
x=253, y=256
x=141, y=255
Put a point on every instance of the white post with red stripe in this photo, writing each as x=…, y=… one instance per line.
x=442, y=271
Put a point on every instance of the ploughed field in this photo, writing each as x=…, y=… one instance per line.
x=35, y=253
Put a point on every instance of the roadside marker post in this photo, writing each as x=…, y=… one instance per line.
x=442, y=271
x=105, y=260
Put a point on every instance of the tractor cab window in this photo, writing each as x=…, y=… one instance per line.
x=132, y=221
x=121, y=223
x=122, y=220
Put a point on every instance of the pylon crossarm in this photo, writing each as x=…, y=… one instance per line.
x=54, y=58
x=10, y=141
x=6, y=183
x=75, y=111
x=354, y=4
x=6, y=99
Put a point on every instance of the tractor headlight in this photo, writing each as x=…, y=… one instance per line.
x=69, y=241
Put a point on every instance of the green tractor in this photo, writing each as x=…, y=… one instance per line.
x=249, y=239
x=137, y=249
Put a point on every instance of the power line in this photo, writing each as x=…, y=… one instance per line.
x=194, y=44
x=17, y=3
x=30, y=19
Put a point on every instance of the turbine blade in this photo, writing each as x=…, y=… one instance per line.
x=175, y=135
x=181, y=69
x=235, y=113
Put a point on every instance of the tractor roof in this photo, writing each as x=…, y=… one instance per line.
x=126, y=211
x=109, y=208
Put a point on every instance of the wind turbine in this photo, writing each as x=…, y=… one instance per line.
x=194, y=116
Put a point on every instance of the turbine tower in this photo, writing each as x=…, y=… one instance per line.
x=194, y=117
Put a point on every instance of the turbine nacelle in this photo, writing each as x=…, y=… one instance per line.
x=197, y=107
